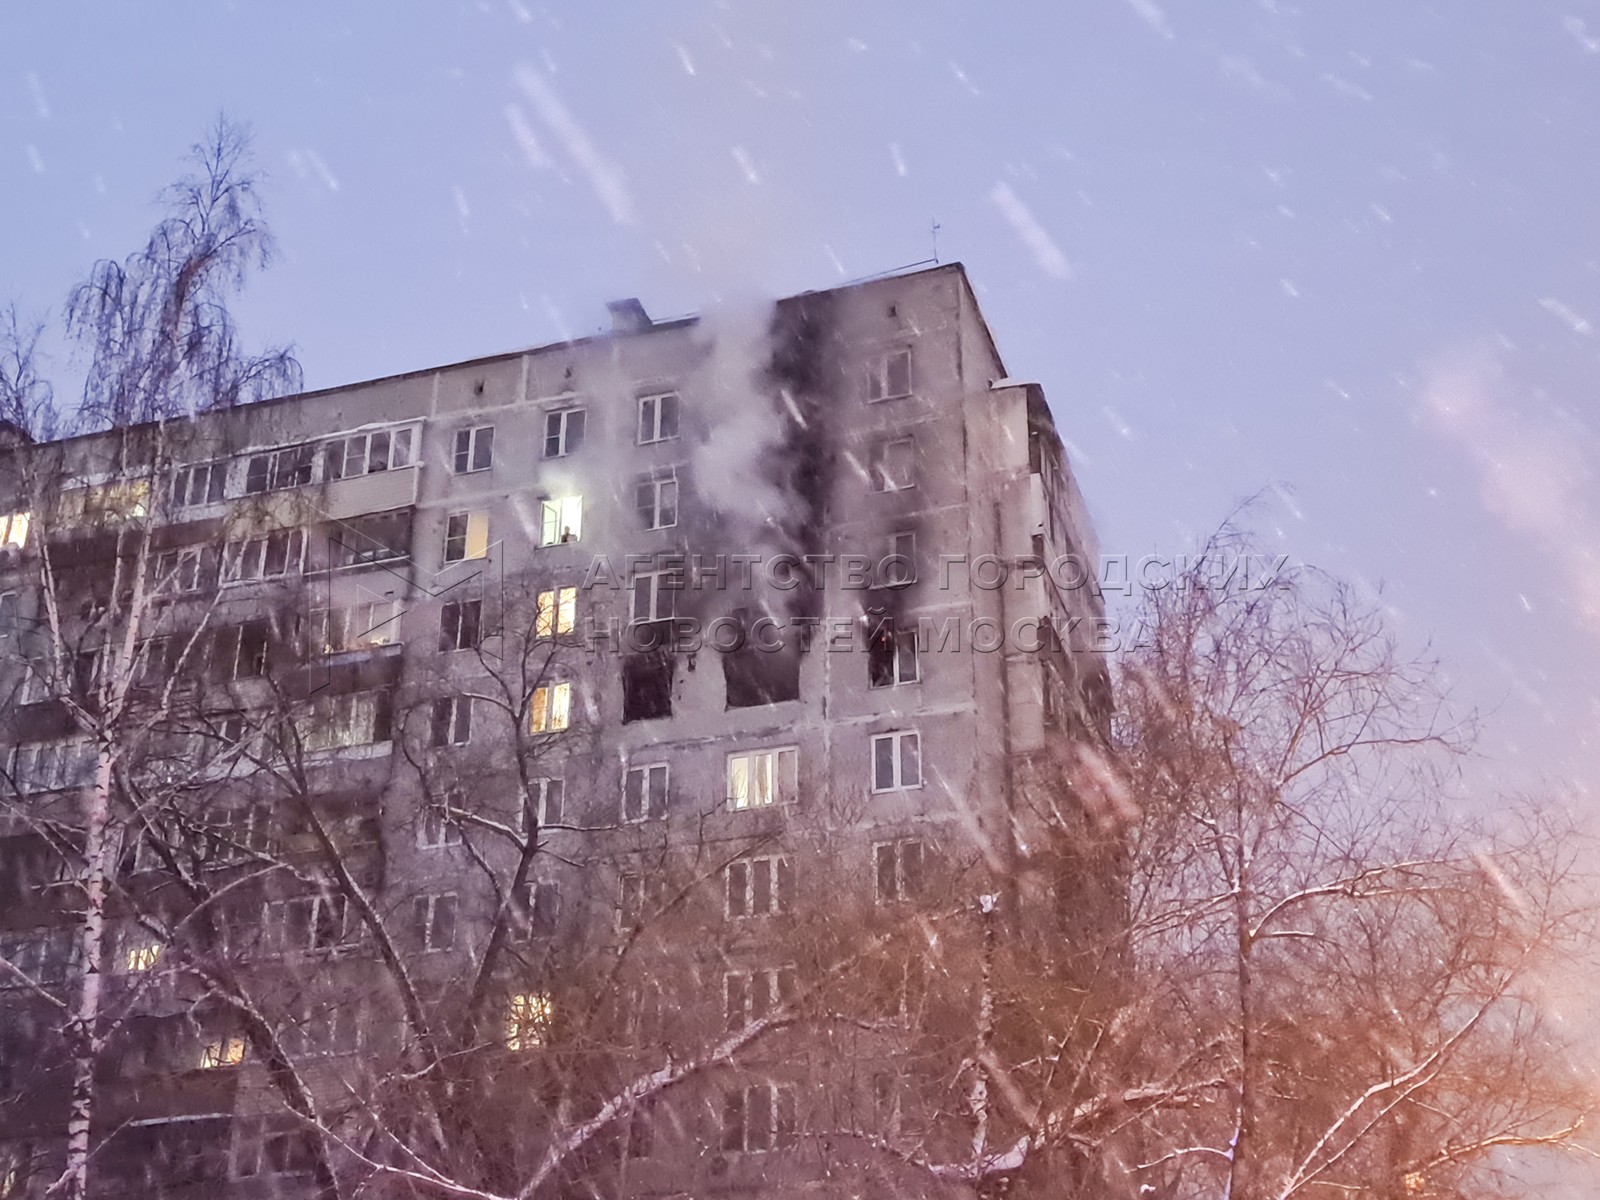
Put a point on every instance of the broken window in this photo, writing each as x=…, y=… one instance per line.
x=276, y=469
x=357, y=626
x=658, y=417
x=466, y=536
x=560, y=520
x=563, y=432
x=753, y=676
x=644, y=792
x=894, y=465
x=891, y=655
x=647, y=686
x=762, y=778
x=896, y=761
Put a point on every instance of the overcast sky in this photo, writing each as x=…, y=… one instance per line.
x=1347, y=249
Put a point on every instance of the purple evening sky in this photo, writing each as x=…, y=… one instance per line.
x=1346, y=248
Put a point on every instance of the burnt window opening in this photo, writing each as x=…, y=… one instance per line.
x=647, y=686
x=754, y=676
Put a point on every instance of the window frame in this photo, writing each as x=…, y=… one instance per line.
x=881, y=374
x=473, y=536
x=237, y=551
x=783, y=776
x=657, y=409
x=560, y=516
x=553, y=714
x=392, y=459
x=660, y=485
x=897, y=739
x=906, y=886
x=646, y=773
x=426, y=921
x=449, y=719
x=558, y=431
x=458, y=619
x=882, y=483
x=780, y=887
x=659, y=582
x=214, y=491
x=903, y=650
x=472, y=442
x=555, y=612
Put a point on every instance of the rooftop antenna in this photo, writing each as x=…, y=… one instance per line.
x=936, y=240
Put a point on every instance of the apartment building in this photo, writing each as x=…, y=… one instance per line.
x=587, y=731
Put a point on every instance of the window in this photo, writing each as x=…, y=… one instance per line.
x=140, y=953
x=52, y=766
x=14, y=530
x=557, y=612
x=528, y=1016
x=891, y=655
x=452, y=721
x=539, y=909
x=368, y=453
x=897, y=870
x=42, y=955
x=647, y=686
x=460, y=623
x=274, y=1146
x=637, y=895
x=8, y=612
x=437, y=830
x=760, y=887
x=474, y=449
x=375, y=537
x=347, y=719
x=270, y=557
x=655, y=498
x=898, y=566
x=762, y=778
x=644, y=792
x=658, y=418
x=750, y=995
x=654, y=594
x=551, y=708
x=894, y=465
x=177, y=571
x=563, y=432
x=242, y=650
x=309, y=923
x=275, y=469
x=203, y=483
x=641, y=1133
x=466, y=536
x=896, y=761
x=222, y=1052
x=890, y=375
x=758, y=1118
x=560, y=520
x=546, y=801
x=357, y=626
x=433, y=922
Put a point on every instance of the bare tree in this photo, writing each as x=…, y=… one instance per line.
x=1326, y=978
x=84, y=514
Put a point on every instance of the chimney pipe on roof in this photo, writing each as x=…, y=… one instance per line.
x=628, y=316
